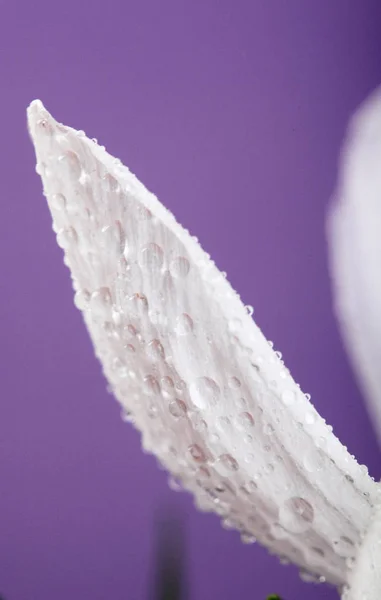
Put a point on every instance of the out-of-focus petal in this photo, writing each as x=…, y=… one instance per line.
x=354, y=229
x=191, y=369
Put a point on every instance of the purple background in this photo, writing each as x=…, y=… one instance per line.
x=233, y=114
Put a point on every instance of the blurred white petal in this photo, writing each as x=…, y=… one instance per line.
x=355, y=250
x=190, y=367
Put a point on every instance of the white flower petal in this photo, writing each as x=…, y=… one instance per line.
x=354, y=230
x=190, y=367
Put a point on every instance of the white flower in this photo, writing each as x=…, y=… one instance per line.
x=355, y=250
x=192, y=370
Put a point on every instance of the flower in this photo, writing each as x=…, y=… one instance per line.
x=192, y=370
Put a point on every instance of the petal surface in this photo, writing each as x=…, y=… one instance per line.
x=190, y=367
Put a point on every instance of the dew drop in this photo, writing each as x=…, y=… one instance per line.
x=110, y=184
x=296, y=515
x=70, y=161
x=248, y=538
x=197, y=453
x=269, y=429
x=177, y=408
x=67, y=237
x=179, y=267
x=226, y=464
x=101, y=300
x=152, y=257
x=198, y=423
x=113, y=238
x=204, y=392
x=151, y=385
x=245, y=421
x=309, y=418
x=184, y=324
x=81, y=299
x=234, y=383
x=174, y=484
x=167, y=385
x=249, y=310
x=155, y=350
x=138, y=303
x=288, y=397
x=58, y=202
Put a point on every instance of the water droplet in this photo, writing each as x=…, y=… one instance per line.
x=179, y=267
x=313, y=460
x=81, y=299
x=137, y=303
x=174, y=484
x=184, y=324
x=226, y=464
x=204, y=392
x=152, y=257
x=130, y=348
x=296, y=515
x=197, y=453
x=167, y=385
x=288, y=397
x=248, y=538
x=67, y=237
x=143, y=213
x=249, y=309
x=177, y=408
x=151, y=385
x=110, y=184
x=234, y=383
x=309, y=418
x=344, y=546
x=198, y=423
x=310, y=577
x=235, y=325
x=70, y=161
x=101, y=300
x=224, y=424
x=58, y=202
x=155, y=350
x=245, y=421
x=269, y=429
x=152, y=411
x=113, y=238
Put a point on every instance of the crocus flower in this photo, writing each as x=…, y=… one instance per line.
x=194, y=373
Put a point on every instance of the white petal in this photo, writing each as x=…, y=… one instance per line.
x=355, y=250
x=191, y=368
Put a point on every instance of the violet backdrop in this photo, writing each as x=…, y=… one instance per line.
x=233, y=114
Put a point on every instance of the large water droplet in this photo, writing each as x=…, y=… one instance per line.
x=81, y=299
x=296, y=515
x=184, y=324
x=67, y=237
x=204, y=392
x=197, y=453
x=152, y=257
x=177, y=408
x=179, y=267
